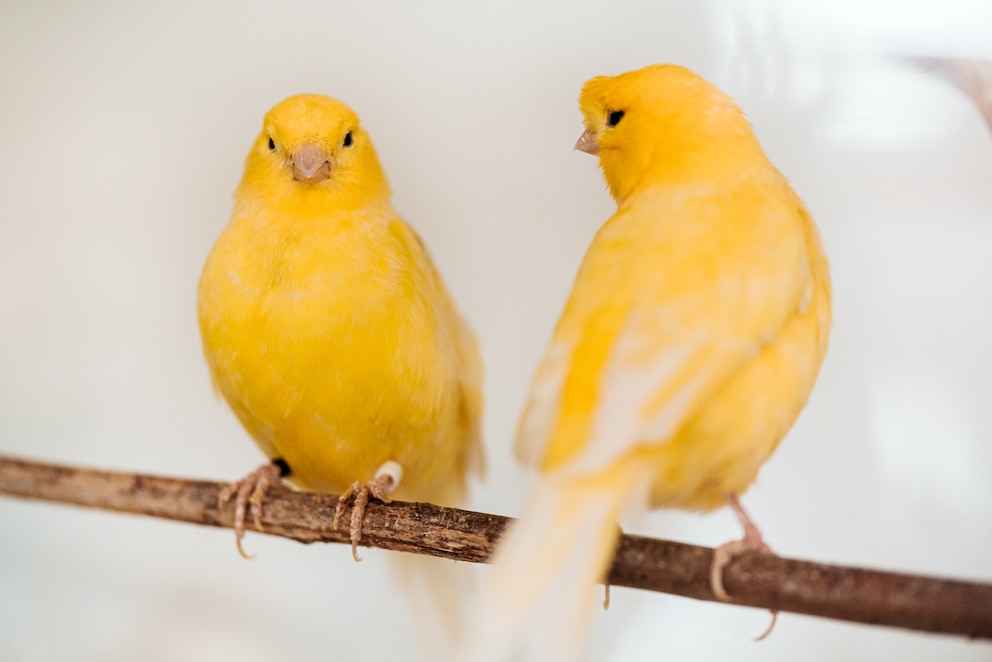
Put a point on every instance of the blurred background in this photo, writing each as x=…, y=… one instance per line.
x=124, y=131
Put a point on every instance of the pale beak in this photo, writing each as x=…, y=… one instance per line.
x=310, y=163
x=587, y=143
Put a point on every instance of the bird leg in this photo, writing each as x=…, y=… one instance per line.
x=725, y=553
x=386, y=479
x=249, y=493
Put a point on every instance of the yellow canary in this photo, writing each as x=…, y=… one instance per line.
x=328, y=330
x=690, y=342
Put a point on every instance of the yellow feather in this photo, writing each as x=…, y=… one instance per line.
x=687, y=348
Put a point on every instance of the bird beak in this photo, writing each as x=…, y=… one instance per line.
x=587, y=143
x=310, y=163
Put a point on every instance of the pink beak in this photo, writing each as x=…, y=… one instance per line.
x=310, y=163
x=587, y=143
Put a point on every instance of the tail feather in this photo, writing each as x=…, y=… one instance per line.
x=538, y=599
x=438, y=590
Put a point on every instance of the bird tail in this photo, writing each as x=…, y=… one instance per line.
x=438, y=591
x=538, y=598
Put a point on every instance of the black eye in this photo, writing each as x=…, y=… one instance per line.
x=347, y=139
x=272, y=144
x=614, y=118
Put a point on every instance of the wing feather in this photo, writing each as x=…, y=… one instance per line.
x=669, y=342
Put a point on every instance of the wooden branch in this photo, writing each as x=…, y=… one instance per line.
x=973, y=77
x=752, y=579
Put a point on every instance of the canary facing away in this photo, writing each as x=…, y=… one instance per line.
x=687, y=348
x=329, y=331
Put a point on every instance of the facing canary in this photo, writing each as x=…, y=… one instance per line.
x=329, y=331
x=687, y=348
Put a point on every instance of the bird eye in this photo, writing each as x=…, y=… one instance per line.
x=272, y=143
x=348, y=139
x=614, y=118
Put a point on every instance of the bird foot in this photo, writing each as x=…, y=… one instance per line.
x=387, y=478
x=727, y=552
x=248, y=494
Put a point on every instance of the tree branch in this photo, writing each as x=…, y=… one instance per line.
x=753, y=579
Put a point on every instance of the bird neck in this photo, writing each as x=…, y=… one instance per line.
x=291, y=199
x=683, y=161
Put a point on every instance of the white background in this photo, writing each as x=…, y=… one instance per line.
x=123, y=129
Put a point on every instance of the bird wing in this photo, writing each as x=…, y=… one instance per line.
x=469, y=366
x=471, y=372
x=662, y=313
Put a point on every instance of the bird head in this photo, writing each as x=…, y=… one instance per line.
x=662, y=122
x=313, y=148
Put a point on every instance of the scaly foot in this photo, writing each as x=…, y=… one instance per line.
x=387, y=478
x=249, y=493
x=726, y=553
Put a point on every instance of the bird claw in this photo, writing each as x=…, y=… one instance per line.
x=386, y=479
x=727, y=552
x=722, y=557
x=248, y=494
x=771, y=626
x=606, y=582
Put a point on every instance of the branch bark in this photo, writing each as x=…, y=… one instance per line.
x=753, y=579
